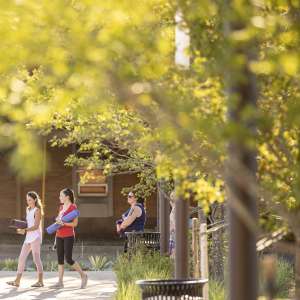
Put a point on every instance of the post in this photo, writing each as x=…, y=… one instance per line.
x=19, y=197
x=164, y=221
x=157, y=211
x=297, y=267
x=269, y=273
x=195, y=244
x=204, y=257
x=181, y=238
x=74, y=173
x=201, y=216
x=44, y=181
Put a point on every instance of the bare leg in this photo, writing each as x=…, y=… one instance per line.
x=61, y=266
x=60, y=284
x=84, y=277
x=77, y=268
x=40, y=277
x=61, y=270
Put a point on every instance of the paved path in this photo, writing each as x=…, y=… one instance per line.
x=101, y=285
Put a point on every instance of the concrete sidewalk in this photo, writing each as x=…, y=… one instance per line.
x=101, y=285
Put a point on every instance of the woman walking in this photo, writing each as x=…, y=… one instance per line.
x=33, y=240
x=65, y=237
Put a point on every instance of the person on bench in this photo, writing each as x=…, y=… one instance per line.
x=133, y=219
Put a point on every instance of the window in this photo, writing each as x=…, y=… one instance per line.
x=92, y=183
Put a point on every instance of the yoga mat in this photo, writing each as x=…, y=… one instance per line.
x=17, y=224
x=67, y=218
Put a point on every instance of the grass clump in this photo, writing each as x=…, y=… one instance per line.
x=99, y=263
x=141, y=265
x=9, y=264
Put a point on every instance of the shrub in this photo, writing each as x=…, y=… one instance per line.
x=83, y=266
x=216, y=290
x=141, y=265
x=9, y=264
x=128, y=291
x=99, y=263
x=284, y=278
x=50, y=266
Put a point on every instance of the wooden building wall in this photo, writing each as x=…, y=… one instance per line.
x=93, y=223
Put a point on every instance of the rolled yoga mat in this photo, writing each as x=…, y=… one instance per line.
x=67, y=218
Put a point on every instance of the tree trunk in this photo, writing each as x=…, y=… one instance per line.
x=164, y=221
x=217, y=247
x=181, y=238
x=242, y=169
x=297, y=268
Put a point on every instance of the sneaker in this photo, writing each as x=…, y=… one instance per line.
x=58, y=285
x=84, y=281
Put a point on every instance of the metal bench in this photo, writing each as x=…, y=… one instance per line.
x=138, y=240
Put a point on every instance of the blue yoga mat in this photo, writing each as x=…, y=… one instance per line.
x=67, y=218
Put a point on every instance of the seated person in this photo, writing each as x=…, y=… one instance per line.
x=134, y=218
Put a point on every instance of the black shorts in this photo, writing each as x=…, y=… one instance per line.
x=64, y=249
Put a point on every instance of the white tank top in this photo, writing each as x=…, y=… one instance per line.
x=32, y=235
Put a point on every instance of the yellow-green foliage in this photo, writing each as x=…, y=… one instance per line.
x=88, y=67
x=9, y=264
x=128, y=291
x=139, y=266
x=216, y=290
x=98, y=263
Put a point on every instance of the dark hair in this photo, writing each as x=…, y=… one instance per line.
x=131, y=194
x=38, y=203
x=141, y=200
x=69, y=193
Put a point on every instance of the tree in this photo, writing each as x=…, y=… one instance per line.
x=78, y=66
x=126, y=56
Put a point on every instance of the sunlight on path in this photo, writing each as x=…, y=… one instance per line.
x=101, y=285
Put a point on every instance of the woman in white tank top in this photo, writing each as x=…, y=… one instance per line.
x=33, y=239
x=31, y=236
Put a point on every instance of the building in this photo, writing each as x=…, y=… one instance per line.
x=100, y=201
